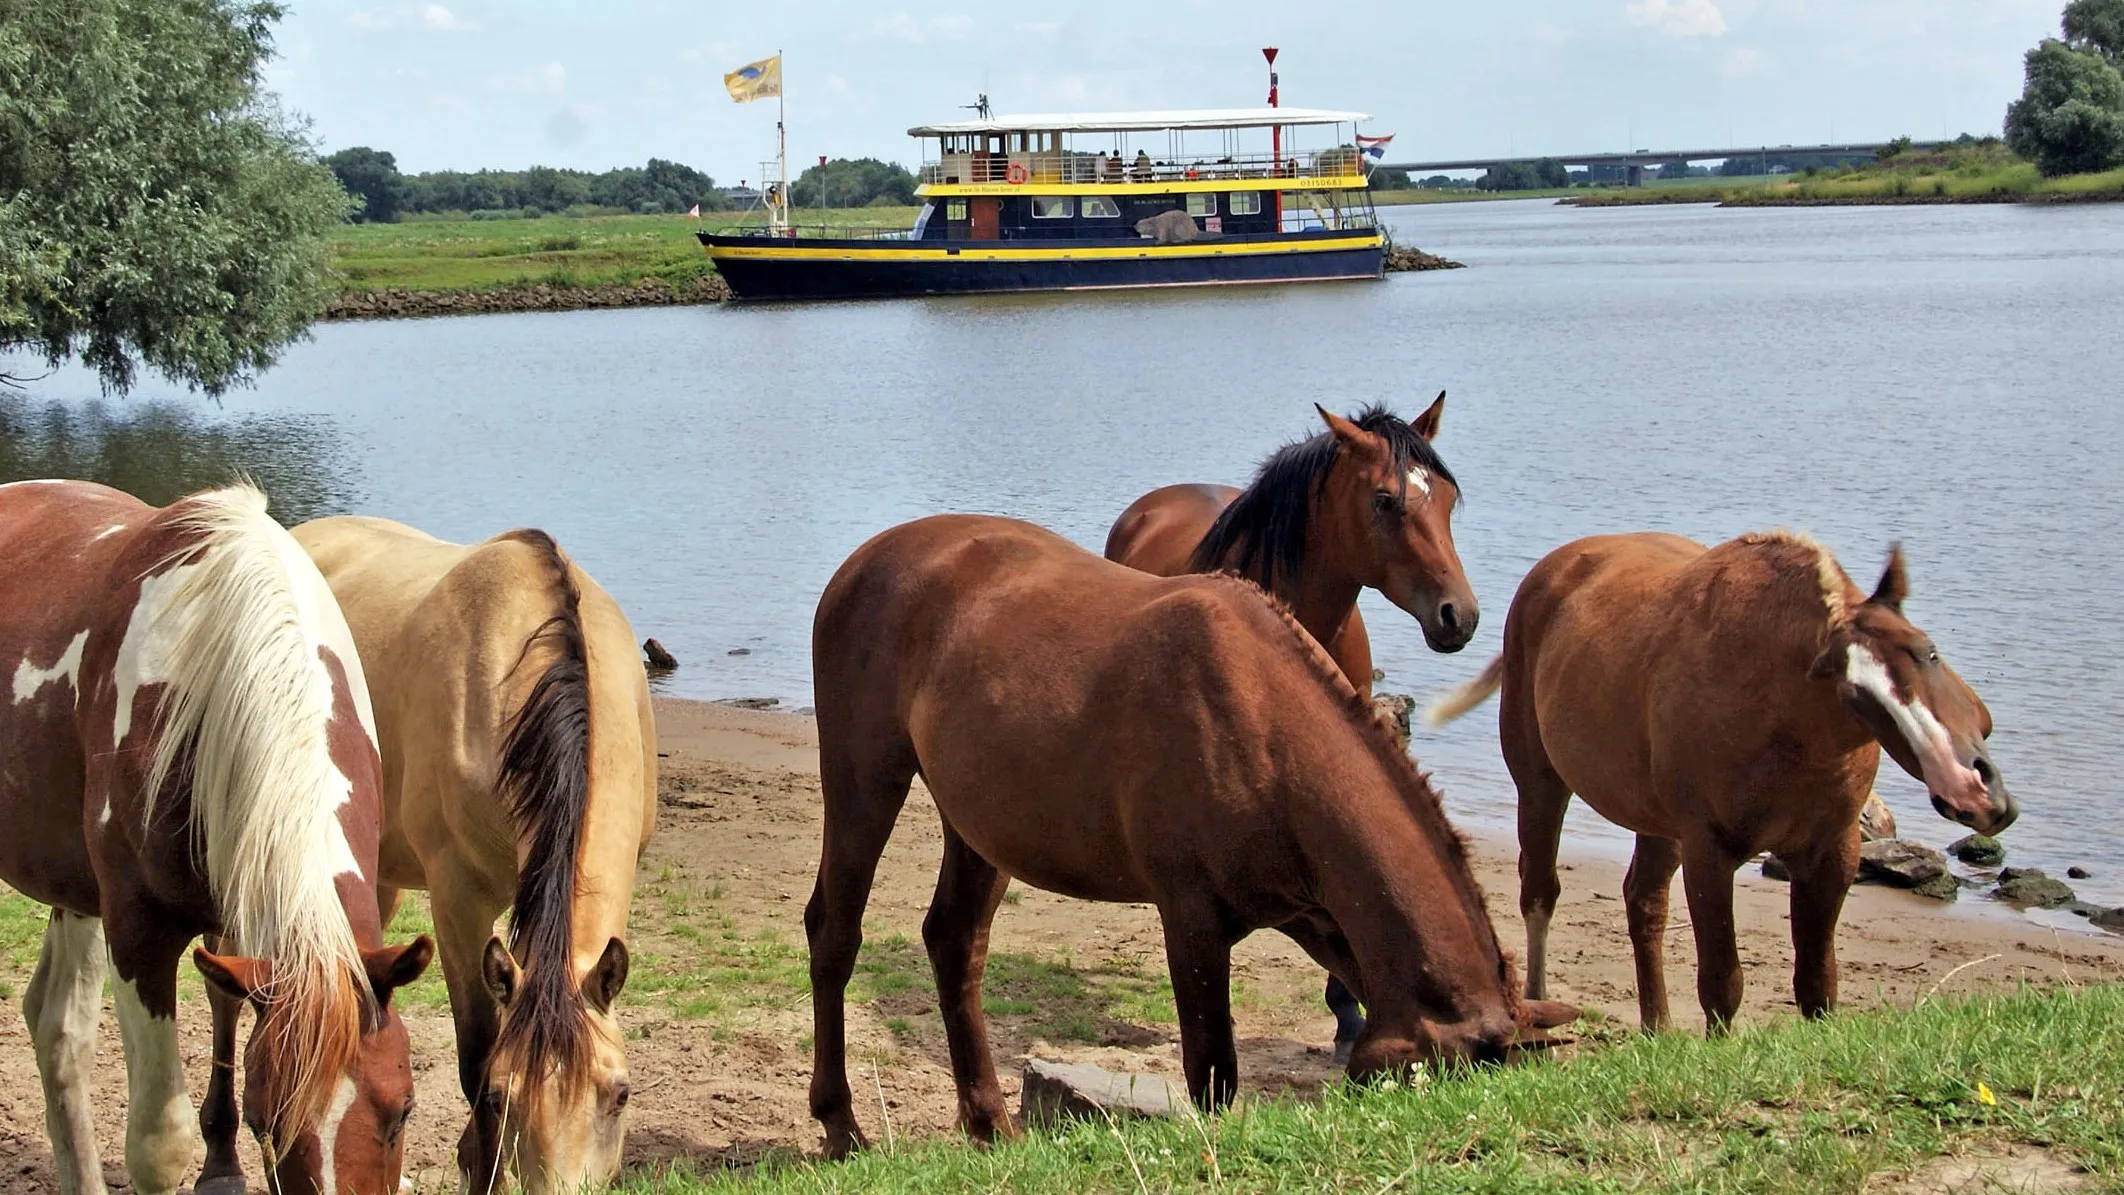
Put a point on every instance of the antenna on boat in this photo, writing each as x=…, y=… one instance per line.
x=979, y=107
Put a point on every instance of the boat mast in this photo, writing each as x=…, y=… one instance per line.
x=1275, y=139
x=778, y=215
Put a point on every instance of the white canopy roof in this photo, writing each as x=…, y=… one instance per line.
x=1134, y=122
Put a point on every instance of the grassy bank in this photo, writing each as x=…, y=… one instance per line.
x=2026, y=1087
x=1983, y=173
x=559, y=251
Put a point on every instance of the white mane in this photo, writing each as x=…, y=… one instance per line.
x=236, y=621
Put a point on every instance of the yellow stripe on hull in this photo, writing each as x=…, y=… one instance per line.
x=787, y=252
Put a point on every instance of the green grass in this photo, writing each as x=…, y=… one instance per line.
x=1962, y=174
x=462, y=254
x=1847, y=1105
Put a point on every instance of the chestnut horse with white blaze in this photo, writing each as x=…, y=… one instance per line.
x=1366, y=504
x=519, y=773
x=1720, y=702
x=187, y=748
x=1113, y=736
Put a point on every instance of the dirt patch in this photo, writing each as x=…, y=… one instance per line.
x=2016, y=1172
x=719, y=1019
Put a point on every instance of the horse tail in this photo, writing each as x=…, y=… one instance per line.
x=241, y=732
x=544, y=780
x=1460, y=701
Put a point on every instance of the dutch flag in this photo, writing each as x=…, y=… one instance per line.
x=1374, y=147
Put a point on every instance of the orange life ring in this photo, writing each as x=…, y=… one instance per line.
x=1017, y=174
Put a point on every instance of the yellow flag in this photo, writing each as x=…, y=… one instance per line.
x=755, y=81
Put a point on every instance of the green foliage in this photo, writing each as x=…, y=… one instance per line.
x=2097, y=26
x=371, y=176
x=1525, y=176
x=660, y=187
x=1390, y=180
x=156, y=207
x=2070, y=117
x=1895, y=149
x=854, y=182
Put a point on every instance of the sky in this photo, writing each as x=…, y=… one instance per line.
x=468, y=84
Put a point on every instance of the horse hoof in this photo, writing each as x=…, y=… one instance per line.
x=227, y=1184
x=1342, y=1052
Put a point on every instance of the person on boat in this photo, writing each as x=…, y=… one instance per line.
x=1141, y=171
x=1109, y=168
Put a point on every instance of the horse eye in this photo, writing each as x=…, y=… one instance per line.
x=1383, y=500
x=1932, y=656
x=620, y=1093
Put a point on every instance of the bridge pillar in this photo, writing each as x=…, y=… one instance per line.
x=1633, y=176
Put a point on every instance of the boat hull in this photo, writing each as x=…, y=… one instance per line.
x=762, y=268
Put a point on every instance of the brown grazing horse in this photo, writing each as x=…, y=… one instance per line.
x=1113, y=736
x=186, y=749
x=1719, y=703
x=1367, y=503
x=519, y=761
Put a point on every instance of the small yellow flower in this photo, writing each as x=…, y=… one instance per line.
x=1984, y=1095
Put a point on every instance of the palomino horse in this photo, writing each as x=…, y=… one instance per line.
x=188, y=749
x=1719, y=703
x=1114, y=736
x=519, y=759
x=1366, y=503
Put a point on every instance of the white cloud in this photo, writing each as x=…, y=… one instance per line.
x=432, y=17
x=548, y=79
x=1743, y=61
x=902, y=27
x=1678, y=18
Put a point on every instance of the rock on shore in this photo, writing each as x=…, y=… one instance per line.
x=1401, y=260
x=394, y=303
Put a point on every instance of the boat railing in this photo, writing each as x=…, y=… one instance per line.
x=1031, y=169
x=832, y=232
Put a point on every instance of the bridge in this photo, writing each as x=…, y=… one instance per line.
x=1634, y=163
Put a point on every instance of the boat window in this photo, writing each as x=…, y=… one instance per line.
x=1202, y=203
x=1053, y=207
x=1099, y=207
x=1245, y=203
x=955, y=210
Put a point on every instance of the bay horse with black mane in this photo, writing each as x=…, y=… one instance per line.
x=1113, y=736
x=519, y=772
x=188, y=749
x=1368, y=503
x=1721, y=702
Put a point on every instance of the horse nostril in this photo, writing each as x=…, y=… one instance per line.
x=1448, y=617
x=1982, y=767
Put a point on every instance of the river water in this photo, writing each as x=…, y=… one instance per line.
x=1943, y=376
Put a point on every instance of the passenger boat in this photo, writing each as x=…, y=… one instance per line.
x=1090, y=202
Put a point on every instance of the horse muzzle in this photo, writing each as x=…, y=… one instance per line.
x=1974, y=795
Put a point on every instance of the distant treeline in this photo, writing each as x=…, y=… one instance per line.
x=387, y=195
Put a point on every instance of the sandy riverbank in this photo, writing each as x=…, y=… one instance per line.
x=719, y=1026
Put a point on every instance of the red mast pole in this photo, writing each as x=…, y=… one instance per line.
x=1275, y=139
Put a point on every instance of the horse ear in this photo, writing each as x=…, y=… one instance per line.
x=233, y=975
x=498, y=970
x=1426, y=424
x=602, y=986
x=1547, y=1014
x=1345, y=431
x=393, y=967
x=1895, y=583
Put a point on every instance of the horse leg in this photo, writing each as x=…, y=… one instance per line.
x=219, y=1116
x=862, y=803
x=1349, y=1017
x=956, y=932
x=464, y=921
x=1543, y=798
x=1707, y=877
x=1352, y=651
x=1646, y=888
x=1821, y=876
x=62, y=1004
x=387, y=899
x=1198, y=953
x=160, y=1126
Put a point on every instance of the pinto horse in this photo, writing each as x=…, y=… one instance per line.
x=1367, y=503
x=1720, y=702
x=519, y=758
x=188, y=749
x=1113, y=736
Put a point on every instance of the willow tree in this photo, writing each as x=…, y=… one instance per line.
x=156, y=206
x=2070, y=117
